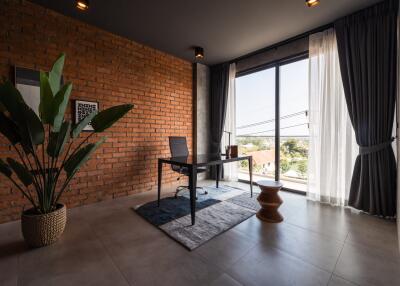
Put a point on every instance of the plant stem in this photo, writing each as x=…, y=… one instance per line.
x=31, y=166
x=35, y=181
x=39, y=191
x=49, y=173
x=23, y=162
x=53, y=191
x=39, y=166
x=60, y=169
x=63, y=188
x=62, y=166
x=23, y=192
x=79, y=146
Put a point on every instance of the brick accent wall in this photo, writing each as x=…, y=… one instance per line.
x=111, y=70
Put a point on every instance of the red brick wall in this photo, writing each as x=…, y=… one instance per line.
x=111, y=70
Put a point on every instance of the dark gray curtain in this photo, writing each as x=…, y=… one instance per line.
x=219, y=82
x=367, y=54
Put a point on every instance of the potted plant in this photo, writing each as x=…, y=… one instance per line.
x=47, y=151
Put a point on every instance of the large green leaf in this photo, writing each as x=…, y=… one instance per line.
x=46, y=100
x=108, y=117
x=31, y=128
x=11, y=99
x=75, y=162
x=60, y=104
x=5, y=169
x=58, y=140
x=81, y=124
x=9, y=129
x=23, y=174
x=56, y=73
x=53, y=98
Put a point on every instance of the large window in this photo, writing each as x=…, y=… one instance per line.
x=271, y=117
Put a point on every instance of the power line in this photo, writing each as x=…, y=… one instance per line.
x=273, y=136
x=286, y=127
x=272, y=120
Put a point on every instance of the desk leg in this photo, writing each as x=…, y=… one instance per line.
x=218, y=167
x=192, y=188
x=159, y=182
x=251, y=175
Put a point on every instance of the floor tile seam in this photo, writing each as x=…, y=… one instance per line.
x=205, y=260
x=337, y=260
x=241, y=256
x=105, y=248
x=230, y=276
x=317, y=232
x=295, y=257
x=302, y=260
x=347, y=280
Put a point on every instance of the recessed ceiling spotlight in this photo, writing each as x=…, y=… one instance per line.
x=82, y=4
x=312, y=3
x=199, y=53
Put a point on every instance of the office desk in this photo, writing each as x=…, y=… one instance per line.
x=194, y=162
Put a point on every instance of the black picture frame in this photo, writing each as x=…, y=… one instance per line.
x=27, y=81
x=81, y=108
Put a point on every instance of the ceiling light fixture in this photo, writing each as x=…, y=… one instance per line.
x=312, y=3
x=199, y=53
x=82, y=4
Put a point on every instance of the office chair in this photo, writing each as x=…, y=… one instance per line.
x=178, y=148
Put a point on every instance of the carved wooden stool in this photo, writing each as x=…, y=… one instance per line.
x=270, y=201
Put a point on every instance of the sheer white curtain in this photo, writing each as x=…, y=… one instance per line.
x=230, y=169
x=333, y=148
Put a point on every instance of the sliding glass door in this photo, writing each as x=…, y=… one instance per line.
x=293, y=105
x=272, y=123
x=255, y=122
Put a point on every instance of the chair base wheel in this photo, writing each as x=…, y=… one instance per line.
x=181, y=188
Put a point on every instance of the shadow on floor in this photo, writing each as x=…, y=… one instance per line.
x=13, y=248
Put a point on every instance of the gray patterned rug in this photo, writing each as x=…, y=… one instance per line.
x=216, y=212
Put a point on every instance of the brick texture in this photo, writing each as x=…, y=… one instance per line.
x=111, y=70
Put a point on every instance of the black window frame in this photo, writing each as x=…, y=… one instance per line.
x=276, y=64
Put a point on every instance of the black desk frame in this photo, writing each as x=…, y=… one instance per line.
x=192, y=167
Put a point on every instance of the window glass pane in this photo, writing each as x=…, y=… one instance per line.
x=255, y=122
x=294, y=136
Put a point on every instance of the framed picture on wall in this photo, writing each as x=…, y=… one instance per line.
x=81, y=109
x=27, y=81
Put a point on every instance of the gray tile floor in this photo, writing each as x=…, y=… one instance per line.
x=108, y=244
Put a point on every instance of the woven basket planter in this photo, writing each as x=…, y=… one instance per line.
x=43, y=229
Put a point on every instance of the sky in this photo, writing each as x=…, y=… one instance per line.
x=255, y=101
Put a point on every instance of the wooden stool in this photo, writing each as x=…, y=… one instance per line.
x=270, y=201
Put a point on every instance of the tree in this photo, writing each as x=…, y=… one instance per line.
x=292, y=148
x=244, y=164
x=285, y=166
x=302, y=167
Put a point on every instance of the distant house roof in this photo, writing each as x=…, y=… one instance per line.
x=248, y=145
x=263, y=156
x=292, y=173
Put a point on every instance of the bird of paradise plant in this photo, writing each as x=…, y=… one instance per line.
x=43, y=159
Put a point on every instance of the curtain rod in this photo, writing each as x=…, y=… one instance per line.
x=284, y=42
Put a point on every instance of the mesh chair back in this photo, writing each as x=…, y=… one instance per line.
x=178, y=148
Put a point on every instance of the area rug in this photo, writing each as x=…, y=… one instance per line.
x=216, y=212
